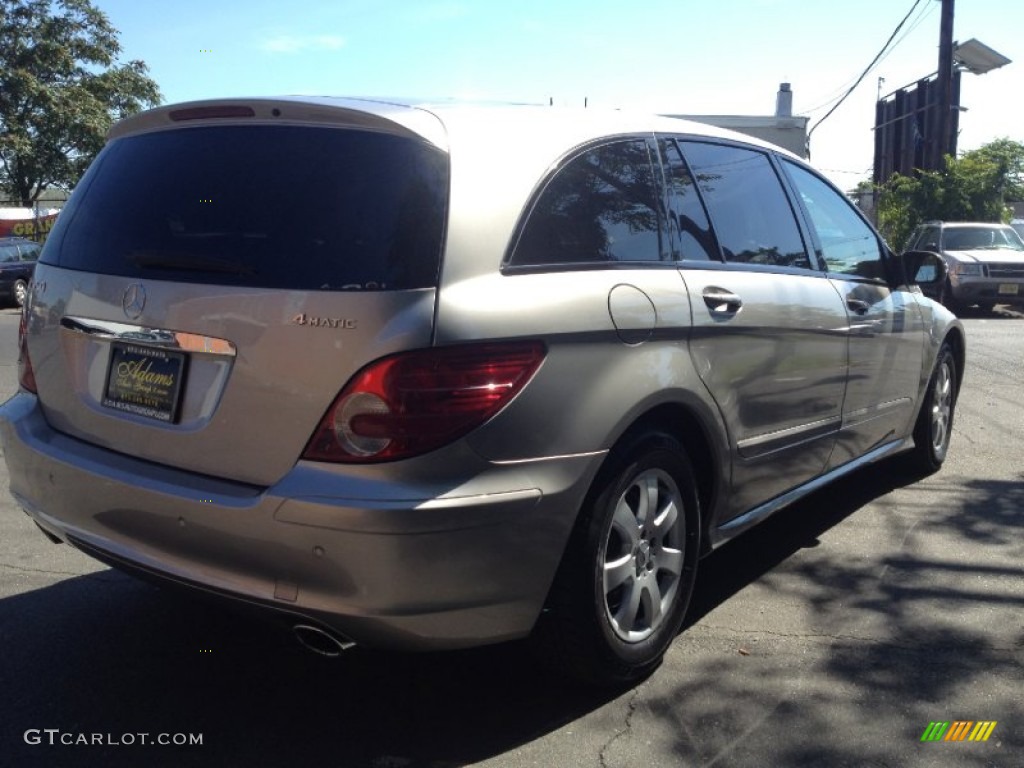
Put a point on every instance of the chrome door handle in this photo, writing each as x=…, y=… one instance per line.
x=858, y=306
x=722, y=301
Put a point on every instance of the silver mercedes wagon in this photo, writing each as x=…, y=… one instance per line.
x=424, y=377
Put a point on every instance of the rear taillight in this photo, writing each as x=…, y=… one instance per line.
x=26, y=376
x=414, y=402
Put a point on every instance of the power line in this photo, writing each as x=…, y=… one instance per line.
x=866, y=70
x=924, y=13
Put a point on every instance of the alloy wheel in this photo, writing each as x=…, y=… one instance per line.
x=643, y=555
x=942, y=409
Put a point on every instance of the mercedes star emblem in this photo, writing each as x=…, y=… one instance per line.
x=134, y=301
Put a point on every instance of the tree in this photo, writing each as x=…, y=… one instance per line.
x=1008, y=155
x=974, y=187
x=61, y=88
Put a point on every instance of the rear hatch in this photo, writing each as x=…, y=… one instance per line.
x=222, y=271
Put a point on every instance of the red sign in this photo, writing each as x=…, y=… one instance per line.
x=35, y=229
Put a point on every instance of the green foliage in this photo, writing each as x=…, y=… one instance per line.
x=974, y=187
x=61, y=88
x=1008, y=155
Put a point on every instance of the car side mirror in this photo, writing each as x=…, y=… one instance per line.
x=925, y=269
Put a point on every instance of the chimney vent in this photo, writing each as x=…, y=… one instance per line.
x=784, y=101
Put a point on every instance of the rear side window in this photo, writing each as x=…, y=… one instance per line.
x=266, y=206
x=8, y=253
x=751, y=213
x=602, y=206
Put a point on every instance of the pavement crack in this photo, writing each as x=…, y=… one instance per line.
x=834, y=638
x=798, y=635
x=627, y=728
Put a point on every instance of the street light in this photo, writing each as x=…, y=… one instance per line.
x=974, y=57
x=977, y=58
x=919, y=125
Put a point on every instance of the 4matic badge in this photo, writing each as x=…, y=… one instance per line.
x=345, y=323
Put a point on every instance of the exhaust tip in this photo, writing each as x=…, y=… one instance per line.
x=320, y=641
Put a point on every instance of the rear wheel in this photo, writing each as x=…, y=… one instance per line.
x=625, y=581
x=935, y=420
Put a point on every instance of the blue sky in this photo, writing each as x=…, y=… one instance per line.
x=717, y=57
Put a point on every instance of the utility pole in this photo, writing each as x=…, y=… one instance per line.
x=945, y=143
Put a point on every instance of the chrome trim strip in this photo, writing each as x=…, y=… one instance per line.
x=585, y=455
x=481, y=499
x=760, y=445
x=107, y=330
x=872, y=412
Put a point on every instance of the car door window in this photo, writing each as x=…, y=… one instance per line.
x=690, y=235
x=848, y=244
x=8, y=253
x=602, y=206
x=748, y=206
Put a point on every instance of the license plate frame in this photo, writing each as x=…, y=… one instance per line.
x=145, y=381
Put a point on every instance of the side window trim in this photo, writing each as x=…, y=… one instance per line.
x=676, y=141
x=807, y=231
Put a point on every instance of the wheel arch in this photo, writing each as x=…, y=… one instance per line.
x=685, y=424
x=958, y=344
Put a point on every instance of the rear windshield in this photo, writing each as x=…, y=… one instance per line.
x=264, y=206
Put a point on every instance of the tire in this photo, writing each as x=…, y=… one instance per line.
x=949, y=301
x=625, y=580
x=19, y=291
x=934, y=425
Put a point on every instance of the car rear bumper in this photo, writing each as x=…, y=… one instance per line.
x=384, y=564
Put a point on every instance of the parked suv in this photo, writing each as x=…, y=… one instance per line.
x=17, y=262
x=985, y=262
x=426, y=377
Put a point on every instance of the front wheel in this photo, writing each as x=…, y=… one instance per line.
x=949, y=301
x=625, y=581
x=934, y=425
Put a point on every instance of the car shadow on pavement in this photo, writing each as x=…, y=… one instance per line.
x=747, y=558
x=891, y=639
x=106, y=654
